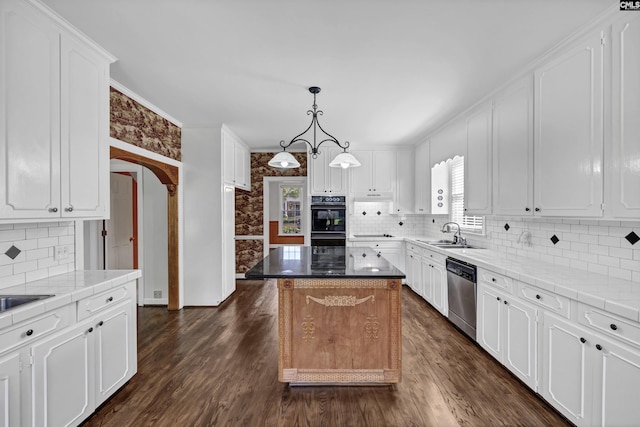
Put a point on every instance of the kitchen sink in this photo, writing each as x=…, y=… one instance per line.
x=12, y=301
x=448, y=244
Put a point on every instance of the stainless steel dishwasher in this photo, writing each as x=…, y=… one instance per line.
x=461, y=291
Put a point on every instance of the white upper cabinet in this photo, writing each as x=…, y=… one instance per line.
x=513, y=150
x=422, y=197
x=236, y=165
x=325, y=179
x=377, y=173
x=568, y=132
x=84, y=130
x=623, y=164
x=54, y=119
x=477, y=165
x=404, y=200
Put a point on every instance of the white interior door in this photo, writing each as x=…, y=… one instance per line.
x=120, y=225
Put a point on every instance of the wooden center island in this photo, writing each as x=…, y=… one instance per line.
x=339, y=314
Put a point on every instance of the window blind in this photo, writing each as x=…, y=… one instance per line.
x=468, y=222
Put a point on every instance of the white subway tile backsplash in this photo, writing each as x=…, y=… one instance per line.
x=37, y=233
x=36, y=242
x=47, y=242
x=11, y=235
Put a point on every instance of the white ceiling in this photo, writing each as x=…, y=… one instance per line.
x=390, y=70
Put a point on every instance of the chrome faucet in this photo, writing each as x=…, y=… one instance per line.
x=457, y=238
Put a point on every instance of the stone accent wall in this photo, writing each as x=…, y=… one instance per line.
x=136, y=124
x=249, y=207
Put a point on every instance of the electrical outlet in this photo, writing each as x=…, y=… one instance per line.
x=157, y=294
x=61, y=252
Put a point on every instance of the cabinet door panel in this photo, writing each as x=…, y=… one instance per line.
x=618, y=379
x=625, y=144
x=422, y=180
x=477, y=165
x=520, y=347
x=63, y=378
x=513, y=150
x=427, y=283
x=10, y=391
x=568, y=132
x=29, y=114
x=567, y=362
x=115, y=347
x=84, y=128
x=384, y=171
x=361, y=176
x=489, y=320
x=439, y=286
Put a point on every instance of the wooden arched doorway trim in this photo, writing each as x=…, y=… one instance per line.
x=168, y=175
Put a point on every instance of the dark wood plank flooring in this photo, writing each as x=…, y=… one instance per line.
x=218, y=367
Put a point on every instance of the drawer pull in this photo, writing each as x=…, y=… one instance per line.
x=498, y=298
x=493, y=279
x=582, y=340
x=599, y=347
x=614, y=326
x=90, y=330
x=538, y=296
x=29, y=332
x=100, y=323
x=109, y=299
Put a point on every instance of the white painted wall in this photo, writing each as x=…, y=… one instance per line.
x=201, y=157
x=155, y=238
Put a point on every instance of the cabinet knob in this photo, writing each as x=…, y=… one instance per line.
x=90, y=330
x=378, y=255
x=599, y=347
x=100, y=323
x=29, y=332
x=614, y=326
x=538, y=296
x=109, y=299
x=537, y=209
x=498, y=298
x=364, y=255
x=527, y=209
x=493, y=279
x=505, y=303
x=69, y=209
x=54, y=210
x=582, y=340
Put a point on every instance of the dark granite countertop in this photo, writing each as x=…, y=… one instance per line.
x=323, y=261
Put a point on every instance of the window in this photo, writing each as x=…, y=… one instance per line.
x=290, y=210
x=467, y=222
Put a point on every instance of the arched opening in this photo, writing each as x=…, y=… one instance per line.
x=168, y=175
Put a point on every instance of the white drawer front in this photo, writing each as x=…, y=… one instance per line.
x=496, y=280
x=609, y=324
x=33, y=329
x=433, y=256
x=548, y=300
x=90, y=306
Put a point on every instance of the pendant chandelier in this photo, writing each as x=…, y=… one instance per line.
x=285, y=160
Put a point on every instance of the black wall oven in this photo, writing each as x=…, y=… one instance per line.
x=328, y=221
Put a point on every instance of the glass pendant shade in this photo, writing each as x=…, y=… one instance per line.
x=284, y=160
x=345, y=160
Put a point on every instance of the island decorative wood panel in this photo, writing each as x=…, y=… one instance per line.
x=339, y=331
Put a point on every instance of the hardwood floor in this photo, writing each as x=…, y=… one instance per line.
x=218, y=367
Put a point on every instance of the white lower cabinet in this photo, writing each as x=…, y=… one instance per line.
x=10, y=391
x=507, y=329
x=63, y=377
x=55, y=371
x=434, y=280
x=590, y=379
x=76, y=370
